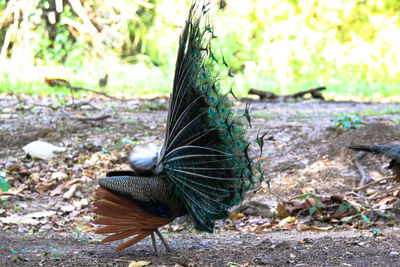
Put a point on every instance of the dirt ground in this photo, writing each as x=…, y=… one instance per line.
x=343, y=248
x=304, y=152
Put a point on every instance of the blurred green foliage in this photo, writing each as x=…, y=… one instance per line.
x=4, y=186
x=351, y=47
x=348, y=122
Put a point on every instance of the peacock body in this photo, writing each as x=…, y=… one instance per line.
x=205, y=165
x=391, y=151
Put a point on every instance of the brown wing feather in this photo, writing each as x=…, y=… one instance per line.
x=123, y=218
x=133, y=241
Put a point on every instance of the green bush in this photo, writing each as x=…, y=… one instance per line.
x=351, y=47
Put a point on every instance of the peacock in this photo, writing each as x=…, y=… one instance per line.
x=206, y=163
x=390, y=151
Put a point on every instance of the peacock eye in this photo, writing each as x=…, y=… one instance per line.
x=204, y=74
x=195, y=66
x=203, y=89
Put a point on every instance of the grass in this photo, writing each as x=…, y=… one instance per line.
x=277, y=46
x=370, y=112
x=124, y=79
x=360, y=114
x=266, y=116
x=146, y=79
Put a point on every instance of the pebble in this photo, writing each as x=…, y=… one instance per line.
x=281, y=245
x=265, y=261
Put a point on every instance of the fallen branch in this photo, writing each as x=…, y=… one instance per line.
x=372, y=183
x=263, y=94
x=315, y=93
x=65, y=112
x=75, y=105
x=45, y=106
x=93, y=91
x=365, y=178
x=65, y=83
x=384, y=193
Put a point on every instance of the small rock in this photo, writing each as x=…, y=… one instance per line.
x=265, y=261
x=6, y=116
x=42, y=150
x=68, y=208
x=396, y=209
x=59, y=176
x=281, y=245
x=307, y=240
x=254, y=208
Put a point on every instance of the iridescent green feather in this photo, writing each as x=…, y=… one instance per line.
x=206, y=155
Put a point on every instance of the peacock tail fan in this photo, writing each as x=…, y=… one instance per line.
x=206, y=155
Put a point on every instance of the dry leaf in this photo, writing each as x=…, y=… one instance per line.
x=15, y=219
x=80, y=116
x=307, y=189
x=58, y=190
x=59, y=176
x=34, y=177
x=260, y=228
x=177, y=227
x=236, y=216
x=282, y=212
x=41, y=214
x=138, y=263
x=319, y=228
x=287, y=220
x=44, y=186
x=13, y=168
x=88, y=173
x=72, y=182
x=70, y=192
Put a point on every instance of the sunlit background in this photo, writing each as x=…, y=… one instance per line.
x=351, y=47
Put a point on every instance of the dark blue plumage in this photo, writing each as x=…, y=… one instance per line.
x=391, y=151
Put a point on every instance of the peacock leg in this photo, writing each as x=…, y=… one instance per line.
x=153, y=239
x=163, y=240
